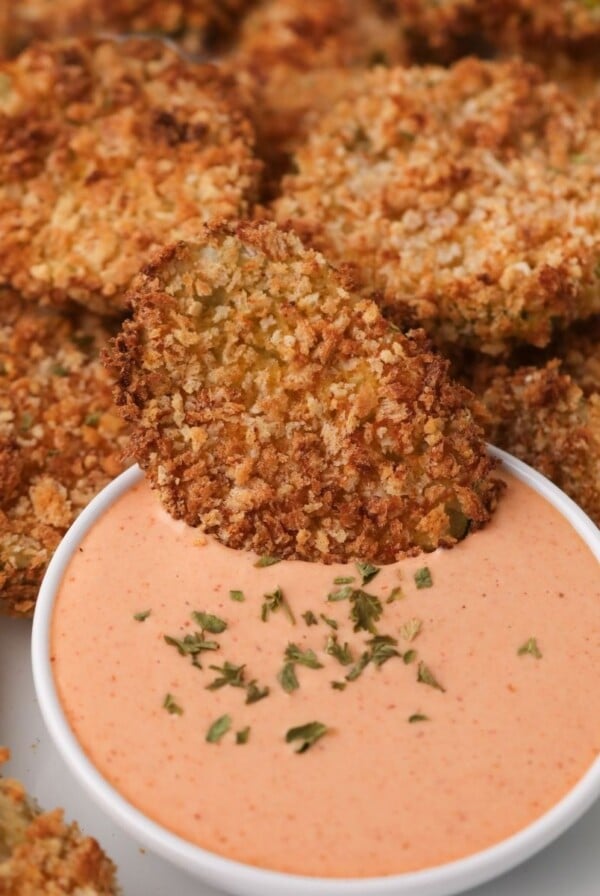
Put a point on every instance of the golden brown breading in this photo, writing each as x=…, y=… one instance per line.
x=107, y=151
x=61, y=439
x=292, y=60
x=41, y=855
x=540, y=415
x=447, y=29
x=469, y=197
x=573, y=25
x=579, y=352
x=282, y=414
x=194, y=23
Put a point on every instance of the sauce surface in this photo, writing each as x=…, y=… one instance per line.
x=377, y=794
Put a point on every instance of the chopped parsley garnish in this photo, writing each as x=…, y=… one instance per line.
x=209, y=623
x=218, y=729
x=383, y=648
x=310, y=618
x=342, y=594
x=241, y=737
x=530, y=647
x=330, y=622
x=254, y=692
x=395, y=594
x=410, y=656
x=308, y=658
x=358, y=668
x=341, y=653
x=343, y=580
x=191, y=645
x=142, y=616
x=93, y=419
x=426, y=676
x=237, y=596
x=273, y=602
x=171, y=706
x=411, y=629
x=229, y=674
x=307, y=735
x=423, y=577
x=367, y=572
x=266, y=561
x=338, y=685
x=418, y=717
x=366, y=611
x=288, y=679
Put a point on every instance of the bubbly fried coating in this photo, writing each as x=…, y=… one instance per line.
x=579, y=352
x=61, y=439
x=292, y=60
x=108, y=150
x=282, y=414
x=542, y=416
x=469, y=197
x=41, y=855
x=193, y=23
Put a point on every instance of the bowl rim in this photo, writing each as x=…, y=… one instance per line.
x=439, y=880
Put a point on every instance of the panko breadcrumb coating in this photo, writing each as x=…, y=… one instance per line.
x=292, y=60
x=193, y=23
x=445, y=29
x=573, y=25
x=41, y=855
x=469, y=197
x=541, y=415
x=284, y=415
x=108, y=150
x=61, y=439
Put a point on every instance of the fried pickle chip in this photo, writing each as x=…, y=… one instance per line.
x=542, y=416
x=41, y=855
x=282, y=414
x=61, y=438
x=193, y=23
x=469, y=197
x=109, y=150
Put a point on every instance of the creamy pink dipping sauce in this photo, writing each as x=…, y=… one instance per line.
x=377, y=794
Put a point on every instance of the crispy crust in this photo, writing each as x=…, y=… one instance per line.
x=469, y=197
x=40, y=855
x=572, y=25
x=284, y=415
x=292, y=60
x=542, y=416
x=444, y=30
x=107, y=151
x=194, y=23
x=61, y=439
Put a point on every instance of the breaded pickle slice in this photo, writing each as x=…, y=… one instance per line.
x=61, y=438
x=283, y=414
x=469, y=197
x=109, y=150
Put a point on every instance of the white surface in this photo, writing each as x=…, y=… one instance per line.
x=570, y=866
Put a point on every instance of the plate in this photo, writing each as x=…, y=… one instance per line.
x=571, y=865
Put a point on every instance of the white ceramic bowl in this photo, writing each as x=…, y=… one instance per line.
x=246, y=880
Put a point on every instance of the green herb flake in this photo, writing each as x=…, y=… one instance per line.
x=423, y=578
x=367, y=572
x=171, y=706
x=395, y=594
x=418, y=717
x=93, y=419
x=530, y=647
x=191, y=645
x=411, y=629
x=358, y=668
x=308, y=658
x=342, y=594
x=237, y=596
x=288, y=679
x=338, y=685
x=310, y=618
x=59, y=370
x=366, y=611
x=273, y=602
x=218, y=729
x=229, y=674
x=342, y=654
x=410, y=656
x=241, y=737
x=426, y=676
x=26, y=421
x=254, y=692
x=307, y=735
x=328, y=621
x=209, y=623
x=142, y=616
x=383, y=648
x=343, y=580
x=266, y=561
